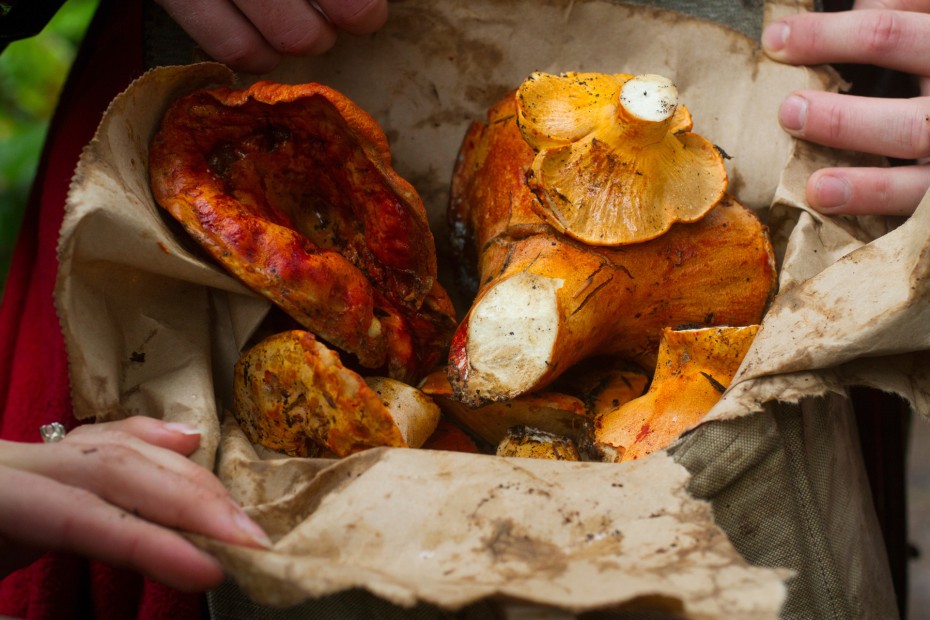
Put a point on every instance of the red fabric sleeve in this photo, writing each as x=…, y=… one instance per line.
x=34, y=386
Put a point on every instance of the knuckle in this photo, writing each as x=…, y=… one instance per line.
x=72, y=524
x=882, y=190
x=198, y=477
x=837, y=122
x=115, y=456
x=299, y=39
x=358, y=13
x=882, y=32
x=134, y=550
x=243, y=52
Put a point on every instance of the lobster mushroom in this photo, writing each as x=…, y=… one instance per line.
x=292, y=394
x=547, y=300
x=290, y=188
x=694, y=369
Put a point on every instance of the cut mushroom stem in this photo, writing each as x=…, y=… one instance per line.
x=649, y=97
x=414, y=413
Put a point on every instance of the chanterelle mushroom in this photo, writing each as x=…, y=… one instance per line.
x=616, y=161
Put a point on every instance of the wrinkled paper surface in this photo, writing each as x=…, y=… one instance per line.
x=153, y=329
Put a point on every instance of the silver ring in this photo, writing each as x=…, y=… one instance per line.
x=52, y=433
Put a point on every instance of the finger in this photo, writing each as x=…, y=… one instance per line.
x=355, y=16
x=157, y=484
x=868, y=191
x=44, y=514
x=892, y=127
x=170, y=461
x=224, y=33
x=155, y=434
x=892, y=39
x=178, y=437
x=291, y=27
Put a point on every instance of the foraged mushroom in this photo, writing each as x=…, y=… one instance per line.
x=414, y=413
x=694, y=369
x=616, y=160
x=532, y=443
x=548, y=302
x=293, y=395
x=545, y=301
x=449, y=437
x=603, y=383
x=547, y=411
x=290, y=188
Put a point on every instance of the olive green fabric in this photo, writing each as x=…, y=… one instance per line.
x=790, y=489
x=742, y=15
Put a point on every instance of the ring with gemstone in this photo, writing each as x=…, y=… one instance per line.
x=52, y=432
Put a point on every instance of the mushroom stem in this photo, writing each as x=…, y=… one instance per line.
x=649, y=97
x=647, y=104
x=414, y=413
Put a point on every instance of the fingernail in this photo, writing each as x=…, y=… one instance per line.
x=831, y=192
x=250, y=528
x=184, y=429
x=775, y=36
x=793, y=113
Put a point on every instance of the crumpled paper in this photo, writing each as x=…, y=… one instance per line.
x=153, y=328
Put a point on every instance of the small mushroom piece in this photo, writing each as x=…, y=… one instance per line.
x=293, y=395
x=603, y=383
x=449, y=437
x=547, y=411
x=616, y=161
x=694, y=369
x=532, y=443
x=415, y=413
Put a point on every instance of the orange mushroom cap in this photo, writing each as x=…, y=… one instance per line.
x=616, y=162
x=291, y=189
x=694, y=369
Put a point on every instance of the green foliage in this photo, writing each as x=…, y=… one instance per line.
x=32, y=72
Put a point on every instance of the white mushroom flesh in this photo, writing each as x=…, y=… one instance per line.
x=511, y=334
x=649, y=97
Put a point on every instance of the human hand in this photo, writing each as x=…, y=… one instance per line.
x=116, y=492
x=894, y=34
x=253, y=35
